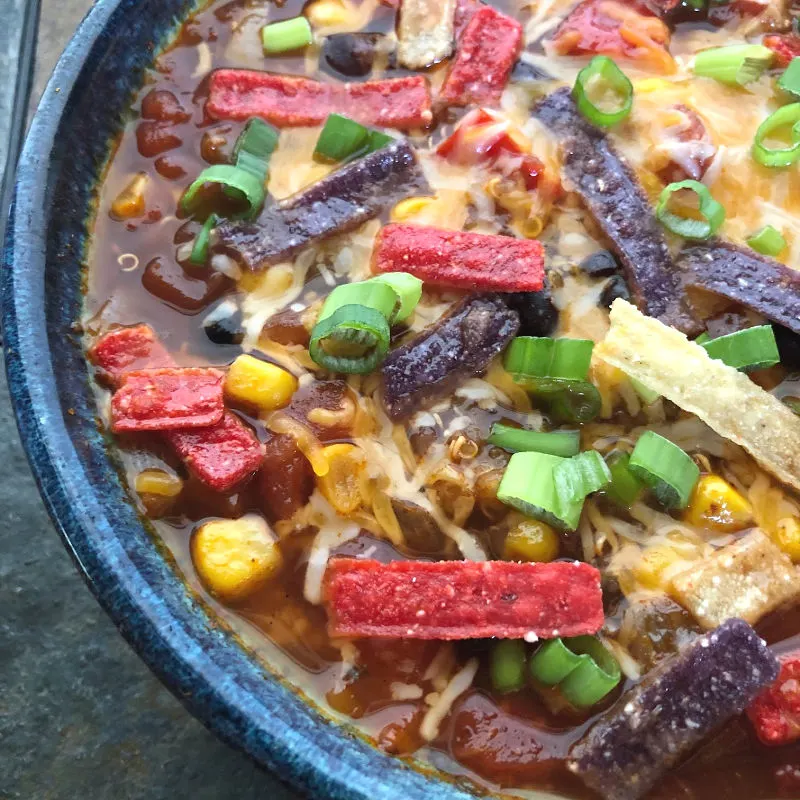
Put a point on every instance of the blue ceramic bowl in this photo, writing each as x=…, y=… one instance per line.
x=216, y=678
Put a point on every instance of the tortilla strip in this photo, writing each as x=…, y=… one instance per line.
x=664, y=360
x=425, y=32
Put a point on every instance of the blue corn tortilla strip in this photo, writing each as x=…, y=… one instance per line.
x=612, y=194
x=686, y=698
x=461, y=344
x=742, y=275
x=338, y=203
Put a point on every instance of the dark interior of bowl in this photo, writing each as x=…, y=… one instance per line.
x=42, y=295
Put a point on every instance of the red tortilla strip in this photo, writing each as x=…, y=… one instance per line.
x=289, y=102
x=168, y=399
x=125, y=349
x=487, y=51
x=775, y=713
x=221, y=456
x=462, y=599
x=459, y=260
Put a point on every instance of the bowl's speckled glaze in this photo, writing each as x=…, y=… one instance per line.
x=41, y=299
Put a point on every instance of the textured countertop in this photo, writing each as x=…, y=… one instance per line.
x=80, y=716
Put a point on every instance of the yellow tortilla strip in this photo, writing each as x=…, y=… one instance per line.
x=425, y=32
x=664, y=360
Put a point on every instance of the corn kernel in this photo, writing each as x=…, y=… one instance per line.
x=406, y=209
x=235, y=557
x=341, y=485
x=787, y=537
x=531, y=540
x=259, y=383
x=715, y=504
x=325, y=13
x=129, y=203
x=651, y=85
x=158, y=482
x=649, y=571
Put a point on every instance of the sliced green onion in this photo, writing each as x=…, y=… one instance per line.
x=341, y=137
x=792, y=403
x=570, y=401
x=669, y=472
x=647, y=395
x=790, y=80
x=528, y=485
x=752, y=348
x=353, y=339
x=507, y=665
x=734, y=64
x=768, y=241
x=582, y=668
x=377, y=140
x=702, y=338
x=603, y=76
x=233, y=179
x=543, y=357
x=786, y=117
x=255, y=146
x=408, y=289
x=290, y=34
x=577, y=477
x=199, y=254
x=380, y=297
x=625, y=488
x=563, y=444
x=712, y=212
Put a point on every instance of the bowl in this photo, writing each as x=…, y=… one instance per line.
x=131, y=576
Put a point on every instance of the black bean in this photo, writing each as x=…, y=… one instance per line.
x=600, y=264
x=615, y=288
x=537, y=314
x=351, y=54
x=224, y=325
x=525, y=72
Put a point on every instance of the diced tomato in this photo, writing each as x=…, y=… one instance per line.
x=485, y=55
x=614, y=28
x=462, y=599
x=687, y=143
x=775, y=713
x=474, y=261
x=222, y=455
x=288, y=101
x=786, y=46
x=122, y=350
x=167, y=399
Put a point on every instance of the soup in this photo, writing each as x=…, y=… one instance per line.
x=449, y=349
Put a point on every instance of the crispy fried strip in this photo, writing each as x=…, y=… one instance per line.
x=726, y=400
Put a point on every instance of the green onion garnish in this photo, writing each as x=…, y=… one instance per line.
x=792, y=403
x=563, y=444
x=373, y=294
x=737, y=64
x=647, y=395
x=507, y=665
x=712, y=212
x=577, y=477
x=669, y=473
x=752, y=348
x=528, y=485
x=790, y=80
x=625, y=488
x=255, y=146
x=408, y=289
x=702, y=338
x=341, y=137
x=353, y=339
x=582, y=668
x=290, y=34
x=768, y=241
x=378, y=139
x=603, y=79
x=199, y=254
x=570, y=401
x=786, y=119
x=542, y=357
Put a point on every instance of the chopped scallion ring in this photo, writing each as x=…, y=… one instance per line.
x=787, y=119
x=712, y=212
x=542, y=357
x=287, y=35
x=354, y=339
x=577, y=477
x=235, y=180
x=199, y=254
x=669, y=472
x=736, y=65
x=752, y=348
x=255, y=146
x=603, y=77
x=408, y=289
x=790, y=80
x=507, y=665
x=570, y=401
x=378, y=296
x=563, y=444
x=341, y=137
x=647, y=395
x=528, y=485
x=625, y=488
x=768, y=241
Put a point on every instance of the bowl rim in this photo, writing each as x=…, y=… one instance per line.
x=205, y=668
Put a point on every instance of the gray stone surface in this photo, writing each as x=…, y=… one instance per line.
x=81, y=718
